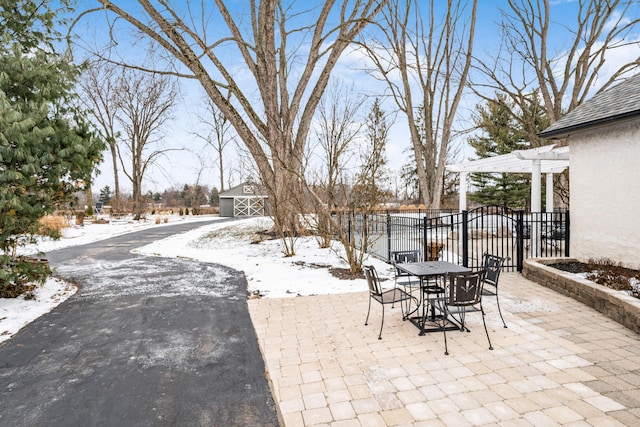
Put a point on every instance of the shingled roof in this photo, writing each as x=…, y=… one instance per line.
x=621, y=102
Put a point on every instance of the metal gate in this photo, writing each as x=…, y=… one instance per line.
x=248, y=206
x=515, y=234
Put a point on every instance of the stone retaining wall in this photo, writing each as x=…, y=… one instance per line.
x=619, y=306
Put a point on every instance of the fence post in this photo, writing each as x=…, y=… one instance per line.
x=465, y=238
x=520, y=240
x=567, y=234
x=425, y=246
x=364, y=239
x=388, y=236
x=349, y=215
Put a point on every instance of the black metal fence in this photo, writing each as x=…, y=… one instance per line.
x=463, y=237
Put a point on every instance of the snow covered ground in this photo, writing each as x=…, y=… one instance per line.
x=236, y=244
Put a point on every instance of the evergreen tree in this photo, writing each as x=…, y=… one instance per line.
x=499, y=136
x=214, y=197
x=105, y=195
x=371, y=179
x=47, y=149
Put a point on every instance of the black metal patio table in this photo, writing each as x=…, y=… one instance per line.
x=425, y=271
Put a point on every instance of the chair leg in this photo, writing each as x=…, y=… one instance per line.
x=381, y=323
x=366, y=322
x=405, y=306
x=408, y=312
x=445, y=316
x=425, y=313
x=486, y=331
x=462, y=322
x=500, y=311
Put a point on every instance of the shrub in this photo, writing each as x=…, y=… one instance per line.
x=612, y=274
x=48, y=150
x=18, y=275
x=52, y=225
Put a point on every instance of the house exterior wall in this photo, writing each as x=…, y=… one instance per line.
x=605, y=193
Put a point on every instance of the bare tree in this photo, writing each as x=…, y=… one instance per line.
x=98, y=83
x=218, y=134
x=144, y=104
x=544, y=81
x=287, y=57
x=365, y=191
x=528, y=69
x=338, y=128
x=424, y=57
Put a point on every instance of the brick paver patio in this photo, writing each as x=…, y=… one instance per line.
x=558, y=363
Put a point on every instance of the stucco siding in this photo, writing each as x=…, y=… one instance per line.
x=605, y=193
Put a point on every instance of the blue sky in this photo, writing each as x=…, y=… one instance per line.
x=183, y=167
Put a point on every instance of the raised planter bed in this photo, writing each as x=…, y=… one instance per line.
x=617, y=305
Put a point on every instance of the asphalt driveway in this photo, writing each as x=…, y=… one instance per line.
x=146, y=341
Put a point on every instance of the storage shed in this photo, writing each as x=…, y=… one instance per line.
x=244, y=200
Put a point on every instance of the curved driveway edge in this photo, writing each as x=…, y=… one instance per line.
x=146, y=341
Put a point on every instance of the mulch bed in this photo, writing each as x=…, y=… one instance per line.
x=571, y=267
x=606, y=273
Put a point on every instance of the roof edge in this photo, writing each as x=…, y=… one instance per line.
x=563, y=132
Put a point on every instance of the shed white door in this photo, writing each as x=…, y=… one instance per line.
x=248, y=206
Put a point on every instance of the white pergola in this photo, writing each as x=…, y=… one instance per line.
x=536, y=161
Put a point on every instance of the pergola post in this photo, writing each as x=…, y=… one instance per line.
x=549, y=193
x=462, y=194
x=536, y=186
x=536, y=204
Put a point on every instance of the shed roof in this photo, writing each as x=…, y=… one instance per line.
x=246, y=189
x=621, y=102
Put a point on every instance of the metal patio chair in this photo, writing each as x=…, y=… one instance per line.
x=462, y=295
x=399, y=257
x=382, y=296
x=402, y=278
x=492, y=265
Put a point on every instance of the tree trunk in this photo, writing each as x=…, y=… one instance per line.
x=114, y=154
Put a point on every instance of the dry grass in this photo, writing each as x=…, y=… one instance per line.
x=55, y=223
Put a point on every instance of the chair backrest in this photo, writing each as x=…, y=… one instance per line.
x=492, y=265
x=464, y=288
x=404, y=257
x=372, y=280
